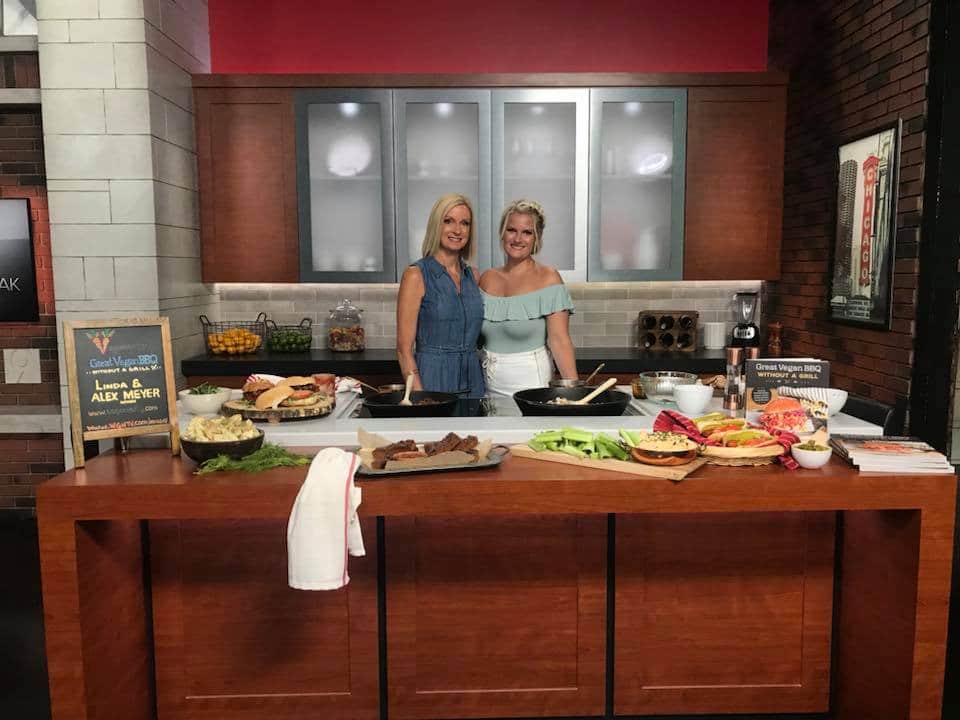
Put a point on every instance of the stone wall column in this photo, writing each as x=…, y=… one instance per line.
x=121, y=162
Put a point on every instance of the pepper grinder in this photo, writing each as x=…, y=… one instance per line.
x=733, y=394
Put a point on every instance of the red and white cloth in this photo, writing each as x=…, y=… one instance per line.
x=323, y=528
x=672, y=421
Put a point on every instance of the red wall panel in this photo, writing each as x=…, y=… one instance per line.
x=420, y=36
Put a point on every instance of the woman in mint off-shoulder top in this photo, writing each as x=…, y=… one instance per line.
x=526, y=309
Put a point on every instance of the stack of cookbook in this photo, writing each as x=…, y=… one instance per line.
x=890, y=454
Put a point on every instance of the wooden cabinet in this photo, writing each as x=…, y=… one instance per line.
x=723, y=613
x=734, y=198
x=233, y=640
x=496, y=616
x=248, y=187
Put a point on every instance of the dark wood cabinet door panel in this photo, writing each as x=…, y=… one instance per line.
x=734, y=200
x=496, y=616
x=723, y=613
x=234, y=640
x=248, y=194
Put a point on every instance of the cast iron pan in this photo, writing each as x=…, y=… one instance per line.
x=387, y=404
x=535, y=401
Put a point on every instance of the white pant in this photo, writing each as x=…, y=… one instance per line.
x=506, y=373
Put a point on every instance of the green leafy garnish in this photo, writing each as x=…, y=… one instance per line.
x=268, y=456
x=204, y=389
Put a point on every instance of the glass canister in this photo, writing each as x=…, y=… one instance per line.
x=345, y=328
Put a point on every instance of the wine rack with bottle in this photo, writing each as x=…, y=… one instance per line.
x=668, y=330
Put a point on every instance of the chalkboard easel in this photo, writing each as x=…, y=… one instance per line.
x=119, y=380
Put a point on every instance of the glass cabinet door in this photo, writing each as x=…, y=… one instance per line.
x=637, y=142
x=540, y=146
x=345, y=186
x=442, y=140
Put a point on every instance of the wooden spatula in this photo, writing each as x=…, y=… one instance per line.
x=587, y=398
x=406, y=392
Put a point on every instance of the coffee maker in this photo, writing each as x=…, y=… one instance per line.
x=745, y=332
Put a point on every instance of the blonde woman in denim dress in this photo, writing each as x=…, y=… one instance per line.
x=439, y=306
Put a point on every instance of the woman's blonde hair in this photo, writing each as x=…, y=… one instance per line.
x=431, y=238
x=526, y=207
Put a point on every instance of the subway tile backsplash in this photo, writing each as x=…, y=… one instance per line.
x=606, y=313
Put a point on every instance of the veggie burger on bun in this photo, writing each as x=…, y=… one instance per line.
x=294, y=391
x=664, y=448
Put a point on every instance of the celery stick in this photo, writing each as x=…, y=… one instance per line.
x=611, y=446
x=628, y=437
x=576, y=435
x=548, y=436
x=536, y=445
x=570, y=450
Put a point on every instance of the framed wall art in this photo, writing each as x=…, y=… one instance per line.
x=866, y=227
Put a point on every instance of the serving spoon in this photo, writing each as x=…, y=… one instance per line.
x=406, y=392
x=587, y=398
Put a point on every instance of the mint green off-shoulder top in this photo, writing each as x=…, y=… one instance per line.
x=519, y=323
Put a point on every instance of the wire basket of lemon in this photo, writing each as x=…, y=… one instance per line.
x=290, y=338
x=234, y=337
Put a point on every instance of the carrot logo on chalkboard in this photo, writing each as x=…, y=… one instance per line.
x=101, y=339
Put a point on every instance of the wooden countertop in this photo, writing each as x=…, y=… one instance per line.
x=152, y=484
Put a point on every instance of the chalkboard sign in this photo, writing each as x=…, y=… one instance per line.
x=119, y=380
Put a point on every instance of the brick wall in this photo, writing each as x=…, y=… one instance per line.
x=28, y=458
x=854, y=65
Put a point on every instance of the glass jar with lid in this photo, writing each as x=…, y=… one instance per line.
x=345, y=328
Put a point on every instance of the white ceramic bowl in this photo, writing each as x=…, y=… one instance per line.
x=692, y=400
x=204, y=404
x=836, y=399
x=811, y=459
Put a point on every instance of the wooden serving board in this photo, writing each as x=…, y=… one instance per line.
x=669, y=472
x=249, y=412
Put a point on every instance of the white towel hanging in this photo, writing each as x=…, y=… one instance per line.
x=323, y=527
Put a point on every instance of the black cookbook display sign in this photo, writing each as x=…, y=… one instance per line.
x=119, y=380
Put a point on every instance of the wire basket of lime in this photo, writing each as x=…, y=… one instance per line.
x=290, y=338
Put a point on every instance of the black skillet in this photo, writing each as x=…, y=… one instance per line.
x=537, y=401
x=387, y=404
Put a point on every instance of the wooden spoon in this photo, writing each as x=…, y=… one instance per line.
x=591, y=375
x=584, y=400
x=406, y=392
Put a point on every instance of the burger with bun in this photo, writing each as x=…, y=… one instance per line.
x=254, y=388
x=273, y=398
x=296, y=391
x=305, y=391
x=664, y=448
x=786, y=413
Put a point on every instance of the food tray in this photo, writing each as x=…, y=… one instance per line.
x=494, y=457
x=213, y=332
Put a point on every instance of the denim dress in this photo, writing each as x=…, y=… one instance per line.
x=447, y=330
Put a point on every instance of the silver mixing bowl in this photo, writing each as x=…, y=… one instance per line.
x=662, y=382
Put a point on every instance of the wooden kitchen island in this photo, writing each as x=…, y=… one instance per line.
x=533, y=589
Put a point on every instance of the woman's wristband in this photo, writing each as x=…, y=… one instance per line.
x=413, y=372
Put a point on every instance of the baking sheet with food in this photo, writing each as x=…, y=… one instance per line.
x=379, y=456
